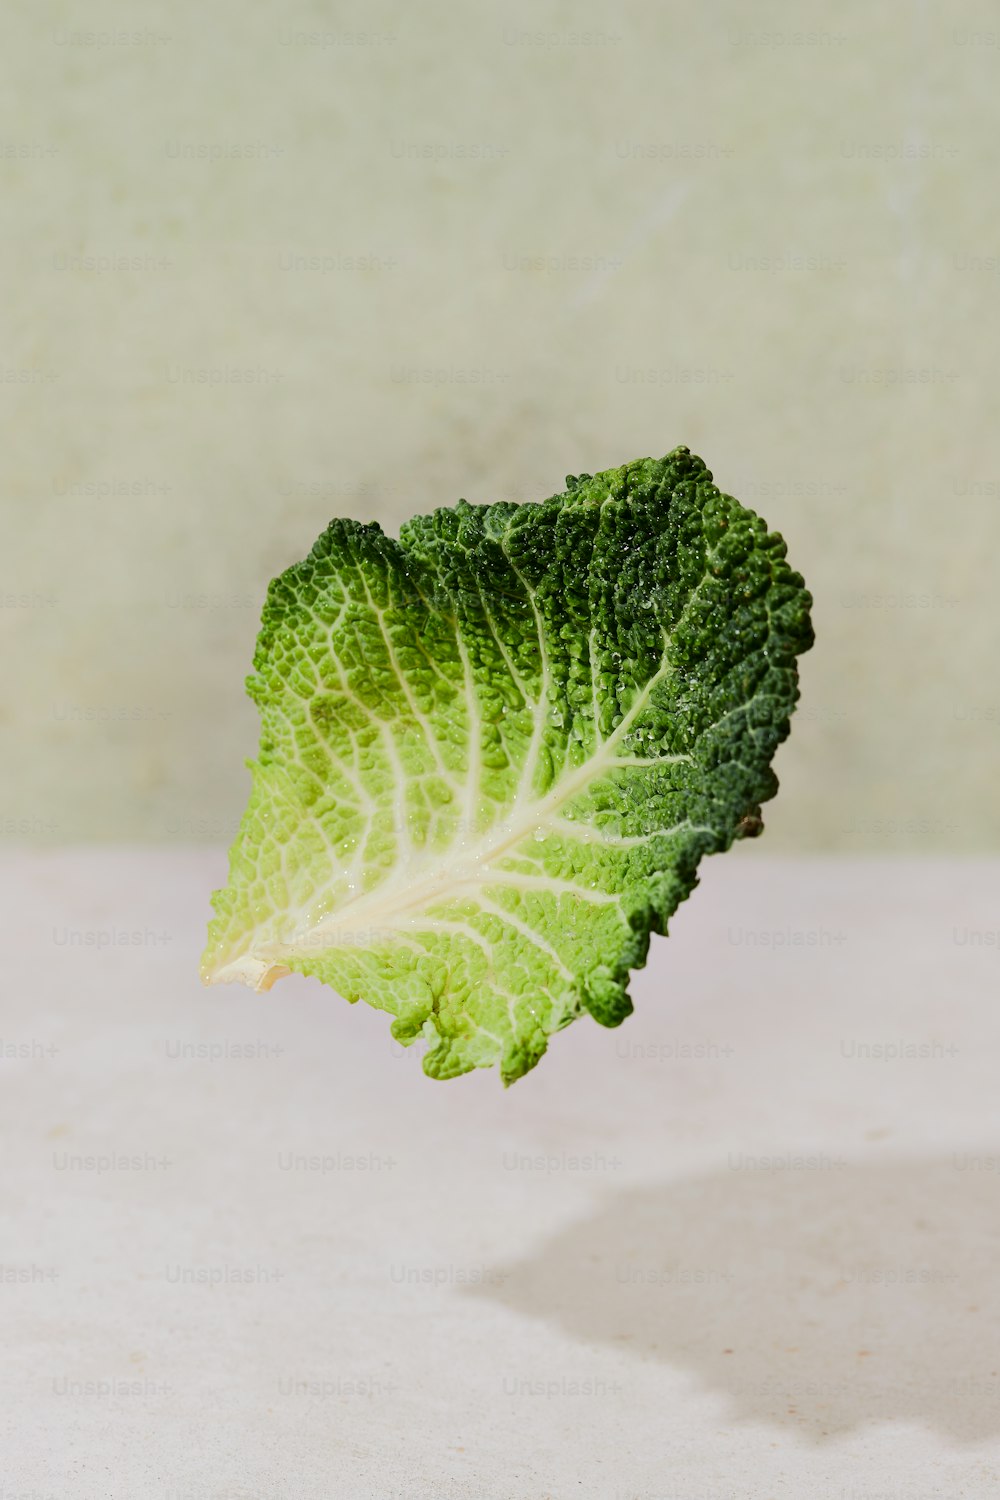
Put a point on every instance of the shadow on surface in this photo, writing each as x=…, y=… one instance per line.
x=819, y=1298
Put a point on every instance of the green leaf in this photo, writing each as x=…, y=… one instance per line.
x=493, y=752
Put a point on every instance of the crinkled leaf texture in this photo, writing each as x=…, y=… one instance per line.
x=493, y=753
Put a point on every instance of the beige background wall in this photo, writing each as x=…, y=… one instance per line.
x=586, y=233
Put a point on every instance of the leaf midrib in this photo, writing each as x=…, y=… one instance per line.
x=377, y=908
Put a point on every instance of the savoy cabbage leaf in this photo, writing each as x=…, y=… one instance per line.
x=493, y=752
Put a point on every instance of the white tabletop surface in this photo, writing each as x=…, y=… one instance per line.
x=745, y=1246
